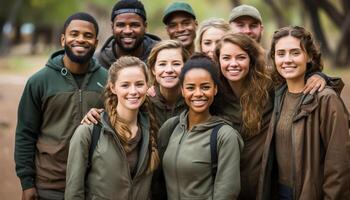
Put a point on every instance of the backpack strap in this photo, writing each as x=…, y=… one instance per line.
x=214, y=150
x=95, y=136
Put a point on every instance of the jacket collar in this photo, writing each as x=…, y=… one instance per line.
x=308, y=102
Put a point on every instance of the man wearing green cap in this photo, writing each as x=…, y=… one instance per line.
x=181, y=24
x=247, y=19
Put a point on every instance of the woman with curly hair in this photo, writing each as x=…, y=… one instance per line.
x=126, y=154
x=307, y=151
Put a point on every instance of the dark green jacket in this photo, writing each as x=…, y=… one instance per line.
x=51, y=107
x=162, y=111
x=109, y=177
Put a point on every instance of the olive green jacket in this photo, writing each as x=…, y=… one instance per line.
x=162, y=111
x=109, y=177
x=187, y=160
x=51, y=108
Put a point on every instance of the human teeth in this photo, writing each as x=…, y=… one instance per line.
x=198, y=102
x=127, y=39
x=182, y=37
x=79, y=48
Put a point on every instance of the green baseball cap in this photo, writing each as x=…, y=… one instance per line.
x=177, y=7
x=245, y=10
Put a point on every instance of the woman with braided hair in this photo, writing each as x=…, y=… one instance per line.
x=126, y=155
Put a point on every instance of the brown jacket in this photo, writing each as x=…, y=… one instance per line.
x=253, y=145
x=321, y=149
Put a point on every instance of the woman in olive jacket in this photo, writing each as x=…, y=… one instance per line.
x=307, y=150
x=187, y=158
x=126, y=154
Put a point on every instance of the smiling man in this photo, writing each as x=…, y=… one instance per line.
x=53, y=102
x=181, y=24
x=246, y=19
x=129, y=24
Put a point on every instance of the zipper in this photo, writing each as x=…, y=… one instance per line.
x=126, y=163
x=80, y=103
x=176, y=158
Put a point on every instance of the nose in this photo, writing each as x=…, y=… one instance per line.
x=198, y=92
x=127, y=30
x=180, y=28
x=169, y=68
x=233, y=63
x=246, y=30
x=80, y=38
x=133, y=89
x=287, y=58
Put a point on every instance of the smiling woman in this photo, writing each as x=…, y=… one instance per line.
x=127, y=140
x=309, y=138
x=188, y=163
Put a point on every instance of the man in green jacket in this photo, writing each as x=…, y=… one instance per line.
x=53, y=102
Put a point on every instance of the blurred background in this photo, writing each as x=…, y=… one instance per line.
x=30, y=31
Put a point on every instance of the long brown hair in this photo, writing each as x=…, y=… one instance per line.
x=256, y=85
x=307, y=44
x=122, y=130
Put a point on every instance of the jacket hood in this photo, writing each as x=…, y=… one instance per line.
x=159, y=101
x=56, y=62
x=207, y=125
x=107, y=54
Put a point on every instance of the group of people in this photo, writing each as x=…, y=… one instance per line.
x=205, y=114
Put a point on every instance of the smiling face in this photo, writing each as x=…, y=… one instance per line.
x=209, y=39
x=249, y=26
x=167, y=67
x=79, y=41
x=198, y=90
x=290, y=59
x=128, y=30
x=130, y=88
x=182, y=27
x=234, y=62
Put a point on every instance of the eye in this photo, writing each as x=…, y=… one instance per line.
x=89, y=35
x=280, y=53
x=207, y=43
x=119, y=25
x=296, y=53
x=225, y=58
x=241, y=58
x=161, y=64
x=177, y=64
x=189, y=88
x=124, y=85
x=206, y=87
x=140, y=84
x=135, y=25
x=253, y=26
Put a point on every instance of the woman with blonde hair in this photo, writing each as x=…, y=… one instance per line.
x=126, y=155
x=165, y=62
x=209, y=33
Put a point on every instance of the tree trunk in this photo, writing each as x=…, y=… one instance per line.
x=281, y=20
x=312, y=8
